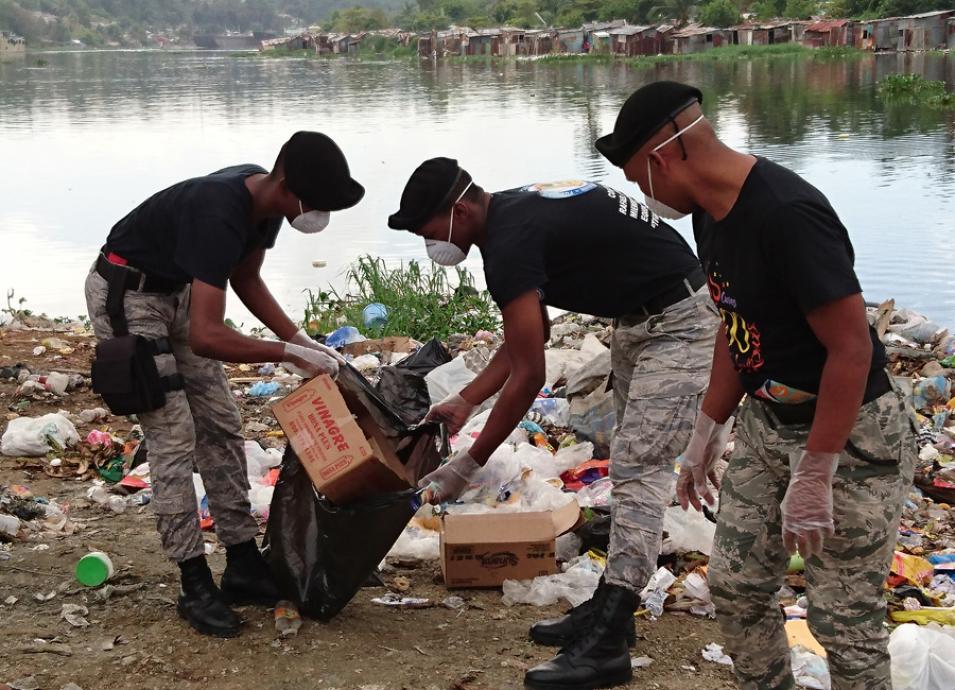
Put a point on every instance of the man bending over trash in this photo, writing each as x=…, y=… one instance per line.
x=585, y=248
x=824, y=448
x=156, y=298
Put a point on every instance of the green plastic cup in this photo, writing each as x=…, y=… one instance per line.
x=94, y=569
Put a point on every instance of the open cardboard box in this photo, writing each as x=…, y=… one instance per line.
x=484, y=550
x=338, y=443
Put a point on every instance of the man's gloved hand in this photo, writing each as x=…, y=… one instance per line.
x=308, y=362
x=305, y=340
x=706, y=447
x=454, y=411
x=807, y=507
x=448, y=481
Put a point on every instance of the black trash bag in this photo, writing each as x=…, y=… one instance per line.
x=595, y=533
x=322, y=554
x=417, y=446
x=403, y=386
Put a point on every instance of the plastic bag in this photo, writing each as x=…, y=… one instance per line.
x=596, y=495
x=33, y=437
x=576, y=585
x=923, y=658
x=555, y=411
x=322, y=554
x=593, y=418
x=403, y=386
x=809, y=669
x=452, y=377
x=595, y=533
x=687, y=530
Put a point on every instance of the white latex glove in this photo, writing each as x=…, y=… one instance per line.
x=308, y=362
x=448, y=481
x=305, y=340
x=807, y=507
x=706, y=447
x=454, y=411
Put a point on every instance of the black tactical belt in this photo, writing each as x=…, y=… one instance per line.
x=129, y=278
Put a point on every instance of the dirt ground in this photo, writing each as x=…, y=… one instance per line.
x=135, y=639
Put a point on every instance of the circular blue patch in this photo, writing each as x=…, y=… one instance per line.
x=563, y=189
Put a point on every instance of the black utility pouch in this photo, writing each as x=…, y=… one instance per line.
x=125, y=375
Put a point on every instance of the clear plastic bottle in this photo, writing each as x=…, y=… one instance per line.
x=287, y=619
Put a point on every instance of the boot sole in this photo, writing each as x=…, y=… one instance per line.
x=617, y=679
x=208, y=629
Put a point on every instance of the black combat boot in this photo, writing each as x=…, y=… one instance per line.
x=200, y=602
x=247, y=578
x=599, y=657
x=558, y=632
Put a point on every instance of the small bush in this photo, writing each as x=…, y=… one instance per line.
x=421, y=304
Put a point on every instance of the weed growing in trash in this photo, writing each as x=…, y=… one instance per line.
x=915, y=89
x=421, y=304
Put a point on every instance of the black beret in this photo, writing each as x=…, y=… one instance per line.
x=428, y=191
x=317, y=173
x=647, y=110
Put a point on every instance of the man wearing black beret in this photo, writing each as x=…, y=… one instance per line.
x=824, y=450
x=156, y=299
x=582, y=247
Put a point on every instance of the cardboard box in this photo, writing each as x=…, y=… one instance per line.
x=484, y=550
x=339, y=445
x=395, y=343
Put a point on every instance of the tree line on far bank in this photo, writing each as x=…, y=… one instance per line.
x=129, y=22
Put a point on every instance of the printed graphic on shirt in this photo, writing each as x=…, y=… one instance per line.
x=628, y=206
x=562, y=189
x=743, y=337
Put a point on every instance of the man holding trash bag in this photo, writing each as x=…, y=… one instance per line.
x=824, y=448
x=586, y=248
x=156, y=298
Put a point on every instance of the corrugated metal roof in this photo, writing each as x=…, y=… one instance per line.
x=828, y=25
x=629, y=30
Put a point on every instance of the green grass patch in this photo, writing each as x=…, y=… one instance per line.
x=422, y=304
x=914, y=89
x=722, y=53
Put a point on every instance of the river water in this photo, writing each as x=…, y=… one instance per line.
x=89, y=135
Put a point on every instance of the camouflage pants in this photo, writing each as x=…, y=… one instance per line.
x=661, y=367
x=199, y=426
x=844, y=585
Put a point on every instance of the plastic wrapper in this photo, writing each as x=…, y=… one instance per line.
x=33, y=437
x=687, y=530
x=923, y=658
x=321, y=554
x=575, y=585
x=403, y=386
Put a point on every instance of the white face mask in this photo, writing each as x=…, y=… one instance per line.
x=312, y=221
x=447, y=253
x=655, y=205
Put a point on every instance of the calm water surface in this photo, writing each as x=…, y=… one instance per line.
x=90, y=135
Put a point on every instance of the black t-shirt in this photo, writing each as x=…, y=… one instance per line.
x=780, y=253
x=584, y=247
x=200, y=228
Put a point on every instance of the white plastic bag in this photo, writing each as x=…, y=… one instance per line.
x=259, y=461
x=923, y=658
x=809, y=669
x=415, y=542
x=36, y=436
x=576, y=585
x=687, y=530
